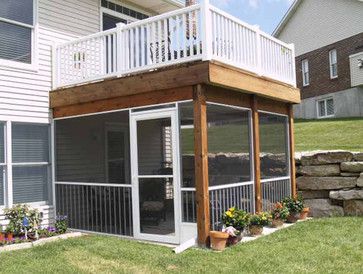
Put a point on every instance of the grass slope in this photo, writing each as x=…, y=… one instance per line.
x=324, y=246
x=346, y=134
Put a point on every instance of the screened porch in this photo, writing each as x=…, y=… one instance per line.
x=132, y=172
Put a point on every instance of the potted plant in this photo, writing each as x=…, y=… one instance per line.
x=235, y=235
x=257, y=222
x=236, y=218
x=295, y=206
x=2, y=235
x=305, y=211
x=218, y=240
x=279, y=215
x=10, y=232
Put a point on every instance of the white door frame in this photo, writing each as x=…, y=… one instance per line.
x=171, y=113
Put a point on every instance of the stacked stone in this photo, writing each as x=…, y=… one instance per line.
x=331, y=182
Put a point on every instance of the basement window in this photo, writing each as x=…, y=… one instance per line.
x=325, y=108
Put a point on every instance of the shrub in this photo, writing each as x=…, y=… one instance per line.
x=61, y=224
x=294, y=205
x=16, y=215
x=280, y=211
x=236, y=218
x=260, y=219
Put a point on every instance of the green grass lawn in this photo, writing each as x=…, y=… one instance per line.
x=321, y=246
x=346, y=134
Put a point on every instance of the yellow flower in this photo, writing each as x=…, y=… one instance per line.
x=229, y=214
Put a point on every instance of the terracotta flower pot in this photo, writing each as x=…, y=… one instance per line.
x=2, y=237
x=304, y=214
x=218, y=240
x=234, y=240
x=10, y=237
x=255, y=230
x=277, y=223
x=293, y=217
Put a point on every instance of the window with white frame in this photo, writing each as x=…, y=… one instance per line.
x=325, y=108
x=305, y=72
x=30, y=162
x=17, y=21
x=2, y=163
x=333, y=63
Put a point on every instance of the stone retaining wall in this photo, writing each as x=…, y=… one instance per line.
x=331, y=182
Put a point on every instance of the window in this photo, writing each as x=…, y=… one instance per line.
x=228, y=154
x=325, y=108
x=274, y=153
x=2, y=163
x=333, y=64
x=30, y=162
x=17, y=31
x=305, y=72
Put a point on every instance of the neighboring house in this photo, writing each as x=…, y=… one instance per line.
x=110, y=112
x=328, y=38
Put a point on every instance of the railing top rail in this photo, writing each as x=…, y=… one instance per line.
x=162, y=16
x=230, y=185
x=85, y=38
x=275, y=179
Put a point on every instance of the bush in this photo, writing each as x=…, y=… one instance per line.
x=61, y=224
x=16, y=215
x=260, y=219
x=236, y=218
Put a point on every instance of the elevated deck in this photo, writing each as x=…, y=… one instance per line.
x=200, y=33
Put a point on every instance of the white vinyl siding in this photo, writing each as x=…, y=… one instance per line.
x=325, y=108
x=2, y=163
x=24, y=92
x=305, y=72
x=333, y=64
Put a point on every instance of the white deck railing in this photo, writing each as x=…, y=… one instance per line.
x=199, y=32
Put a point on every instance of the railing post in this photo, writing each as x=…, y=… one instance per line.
x=292, y=151
x=55, y=75
x=256, y=153
x=258, y=51
x=206, y=30
x=201, y=165
x=119, y=58
x=293, y=61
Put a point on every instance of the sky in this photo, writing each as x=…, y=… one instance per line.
x=265, y=13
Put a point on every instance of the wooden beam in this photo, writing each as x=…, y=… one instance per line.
x=226, y=76
x=256, y=153
x=292, y=151
x=168, y=78
x=272, y=106
x=227, y=96
x=201, y=165
x=143, y=99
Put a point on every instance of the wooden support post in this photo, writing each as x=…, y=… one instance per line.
x=292, y=151
x=256, y=153
x=201, y=164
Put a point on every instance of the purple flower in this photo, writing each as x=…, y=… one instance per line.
x=51, y=229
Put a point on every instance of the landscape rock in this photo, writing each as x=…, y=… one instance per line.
x=322, y=158
x=353, y=208
x=348, y=174
x=325, y=183
x=323, y=208
x=354, y=194
x=314, y=194
x=360, y=180
x=358, y=156
x=319, y=171
x=352, y=166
